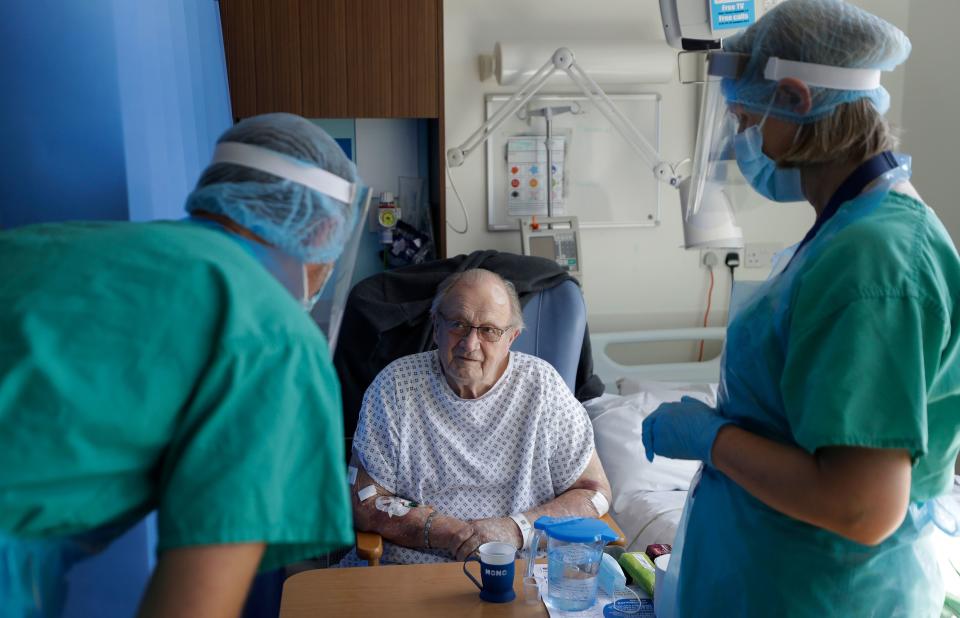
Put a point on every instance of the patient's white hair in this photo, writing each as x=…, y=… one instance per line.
x=472, y=277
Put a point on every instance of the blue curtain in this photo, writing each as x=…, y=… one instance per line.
x=110, y=107
x=174, y=98
x=61, y=140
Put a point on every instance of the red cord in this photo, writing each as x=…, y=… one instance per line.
x=707, y=314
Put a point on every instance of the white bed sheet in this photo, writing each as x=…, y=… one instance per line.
x=648, y=496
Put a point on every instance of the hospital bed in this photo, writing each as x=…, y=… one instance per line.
x=647, y=497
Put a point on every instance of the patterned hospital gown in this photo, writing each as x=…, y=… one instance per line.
x=521, y=444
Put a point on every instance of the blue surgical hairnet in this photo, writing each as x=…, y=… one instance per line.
x=829, y=32
x=296, y=219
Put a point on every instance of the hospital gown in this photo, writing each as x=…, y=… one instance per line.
x=856, y=344
x=521, y=444
x=159, y=366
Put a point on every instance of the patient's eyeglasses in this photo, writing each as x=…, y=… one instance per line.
x=490, y=334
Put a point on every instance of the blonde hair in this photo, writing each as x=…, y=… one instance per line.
x=855, y=131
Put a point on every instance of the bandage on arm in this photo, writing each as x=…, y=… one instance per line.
x=600, y=503
x=404, y=529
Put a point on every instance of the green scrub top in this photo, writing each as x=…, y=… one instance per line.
x=159, y=366
x=857, y=343
x=874, y=343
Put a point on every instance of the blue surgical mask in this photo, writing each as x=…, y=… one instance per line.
x=779, y=184
x=309, y=303
x=610, y=579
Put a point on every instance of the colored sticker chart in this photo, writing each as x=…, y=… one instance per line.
x=528, y=178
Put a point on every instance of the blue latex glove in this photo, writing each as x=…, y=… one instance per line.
x=684, y=429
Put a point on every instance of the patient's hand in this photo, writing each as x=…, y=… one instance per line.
x=491, y=529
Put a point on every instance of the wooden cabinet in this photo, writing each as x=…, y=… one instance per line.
x=341, y=59
x=334, y=58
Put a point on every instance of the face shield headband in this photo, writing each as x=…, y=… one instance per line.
x=265, y=160
x=730, y=67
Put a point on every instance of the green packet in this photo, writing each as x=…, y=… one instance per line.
x=638, y=566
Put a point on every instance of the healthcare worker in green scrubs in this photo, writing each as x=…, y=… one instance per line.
x=173, y=366
x=838, y=417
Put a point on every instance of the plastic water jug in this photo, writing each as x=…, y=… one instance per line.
x=574, y=550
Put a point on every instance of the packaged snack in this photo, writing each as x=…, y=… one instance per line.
x=658, y=549
x=639, y=567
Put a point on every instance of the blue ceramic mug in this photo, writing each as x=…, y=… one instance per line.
x=496, y=571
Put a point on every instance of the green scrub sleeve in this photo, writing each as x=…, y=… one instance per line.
x=258, y=455
x=856, y=376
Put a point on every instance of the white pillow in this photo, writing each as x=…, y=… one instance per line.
x=617, y=434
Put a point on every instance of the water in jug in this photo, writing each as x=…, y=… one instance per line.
x=574, y=548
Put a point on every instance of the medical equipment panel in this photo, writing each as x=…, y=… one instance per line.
x=556, y=239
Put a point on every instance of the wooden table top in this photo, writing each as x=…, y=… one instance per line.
x=398, y=591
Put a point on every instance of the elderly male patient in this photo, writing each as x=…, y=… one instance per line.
x=482, y=440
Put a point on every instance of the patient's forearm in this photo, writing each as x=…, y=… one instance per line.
x=571, y=503
x=406, y=530
x=578, y=500
x=858, y=493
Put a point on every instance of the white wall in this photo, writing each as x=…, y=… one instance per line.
x=633, y=277
x=931, y=127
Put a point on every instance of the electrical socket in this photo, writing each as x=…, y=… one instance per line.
x=709, y=258
x=719, y=256
x=760, y=255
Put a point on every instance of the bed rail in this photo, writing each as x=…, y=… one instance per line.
x=691, y=372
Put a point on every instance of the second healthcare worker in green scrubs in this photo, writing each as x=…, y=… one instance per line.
x=173, y=366
x=838, y=418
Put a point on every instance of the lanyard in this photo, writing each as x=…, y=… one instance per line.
x=866, y=172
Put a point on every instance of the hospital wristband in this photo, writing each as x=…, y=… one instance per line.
x=526, y=528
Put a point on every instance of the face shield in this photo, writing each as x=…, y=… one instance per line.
x=706, y=196
x=328, y=309
x=717, y=172
x=338, y=196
